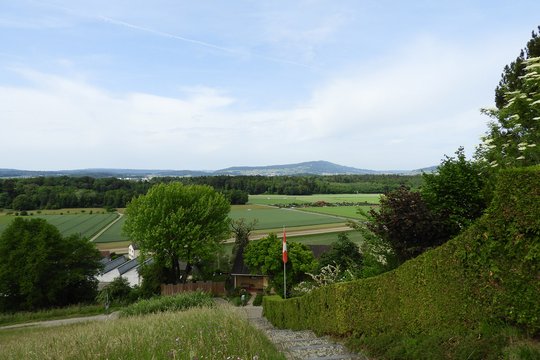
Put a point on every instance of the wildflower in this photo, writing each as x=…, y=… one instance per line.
x=521, y=158
x=536, y=102
x=531, y=145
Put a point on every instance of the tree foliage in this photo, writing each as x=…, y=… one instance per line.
x=175, y=223
x=242, y=230
x=405, y=223
x=455, y=193
x=344, y=254
x=514, y=134
x=512, y=76
x=39, y=268
x=264, y=256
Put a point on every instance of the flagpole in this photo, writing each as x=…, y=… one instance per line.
x=284, y=265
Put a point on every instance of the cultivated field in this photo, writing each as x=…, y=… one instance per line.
x=350, y=212
x=114, y=233
x=85, y=224
x=303, y=199
x=275, y=218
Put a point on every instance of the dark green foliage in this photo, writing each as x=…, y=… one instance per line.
x=264, y=256
x=455, y=193
x=178, y=302
x=405, y=222
x=41, y=269
x=469, y=298
x=344, y=253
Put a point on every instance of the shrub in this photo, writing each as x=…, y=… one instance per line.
x=178, y=302
x=258, y=300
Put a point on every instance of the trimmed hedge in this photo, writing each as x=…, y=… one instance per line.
x=488, y=274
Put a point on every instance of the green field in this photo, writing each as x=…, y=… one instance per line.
x=85, y=224
x=274, y=218
x=114, y=233
x=305, y=199
x=350, y=212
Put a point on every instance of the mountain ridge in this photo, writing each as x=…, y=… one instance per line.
x=319, y=167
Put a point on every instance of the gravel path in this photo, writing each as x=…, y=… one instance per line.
x=49, y=323
x=298, y=345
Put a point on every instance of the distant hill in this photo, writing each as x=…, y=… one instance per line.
x=304, y=168
x=311, y=167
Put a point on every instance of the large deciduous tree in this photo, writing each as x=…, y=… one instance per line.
x=265, y=256
x=39, y=268
x=175, y=223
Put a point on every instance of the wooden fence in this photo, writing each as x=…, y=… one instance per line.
x=216, y=288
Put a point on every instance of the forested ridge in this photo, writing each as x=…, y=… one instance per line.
x=73, y=192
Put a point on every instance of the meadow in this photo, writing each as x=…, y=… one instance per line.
x=199, y=333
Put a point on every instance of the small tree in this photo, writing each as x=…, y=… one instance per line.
x=405, y=224
x=455, y=193
x=265, y=256
x=344, y=254
x=242, y=230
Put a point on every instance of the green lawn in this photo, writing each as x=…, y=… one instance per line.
x=303, y=199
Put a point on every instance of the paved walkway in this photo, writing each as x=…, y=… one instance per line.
x=298, y=345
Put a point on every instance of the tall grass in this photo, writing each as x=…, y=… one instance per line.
x=169, y=303
x=198, y=333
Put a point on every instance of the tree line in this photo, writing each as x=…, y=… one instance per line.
x=58, y=192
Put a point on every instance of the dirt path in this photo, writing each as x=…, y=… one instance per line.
x=50, y=323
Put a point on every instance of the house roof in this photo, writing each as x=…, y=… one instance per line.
x=113, y=264
x=131, y=264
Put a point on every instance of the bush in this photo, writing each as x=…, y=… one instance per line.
x=258, y=300
x=178, y=302
x=118, y=292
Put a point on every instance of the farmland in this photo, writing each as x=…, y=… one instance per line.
x=85, y=224
x=306, y=199
x=275, y=218
x=350, y=212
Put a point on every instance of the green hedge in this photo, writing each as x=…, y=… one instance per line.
x=489, y=273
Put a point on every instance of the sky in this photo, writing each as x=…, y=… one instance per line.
x=205, y=85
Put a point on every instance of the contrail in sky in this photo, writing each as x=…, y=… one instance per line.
x=197, y=42
x=173, y=36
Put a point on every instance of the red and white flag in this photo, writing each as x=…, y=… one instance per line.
x=284, y=247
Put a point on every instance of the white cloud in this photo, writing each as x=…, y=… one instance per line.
x=402, y=112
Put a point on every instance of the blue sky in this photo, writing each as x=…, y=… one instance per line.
x=213, y=84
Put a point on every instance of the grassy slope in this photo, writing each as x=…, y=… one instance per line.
x=216, y=333
x=461, y=300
